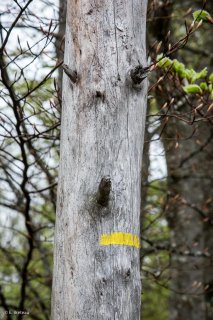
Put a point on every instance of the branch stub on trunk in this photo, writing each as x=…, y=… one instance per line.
x=138, y=74
x=72, y=74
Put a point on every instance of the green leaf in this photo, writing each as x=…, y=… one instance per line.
x=192, y=88
x=199, y=75
x=164, y=62
x=190, y=74
x=203, y=86
x=178, y=66
x=203, y=15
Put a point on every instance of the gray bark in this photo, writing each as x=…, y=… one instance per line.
x=103, y=120
x=190, y=188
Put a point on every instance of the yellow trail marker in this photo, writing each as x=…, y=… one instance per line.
x=120, y=238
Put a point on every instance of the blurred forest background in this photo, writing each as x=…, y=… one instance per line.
x=177, y=181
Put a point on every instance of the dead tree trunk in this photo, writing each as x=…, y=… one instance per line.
x=96, y=266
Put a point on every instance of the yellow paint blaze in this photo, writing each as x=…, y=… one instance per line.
x=120, y=238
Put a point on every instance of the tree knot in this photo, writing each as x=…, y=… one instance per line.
x=104, y=191
x=138, y=74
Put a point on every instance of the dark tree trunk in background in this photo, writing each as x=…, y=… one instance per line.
x=190, y=208
x=190, y=201
x=190, y=188
x=207, y=189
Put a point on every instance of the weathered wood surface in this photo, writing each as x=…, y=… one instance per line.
x=103, y=121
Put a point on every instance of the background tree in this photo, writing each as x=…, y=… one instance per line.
x=187, y=142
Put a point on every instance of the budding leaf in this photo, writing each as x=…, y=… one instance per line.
x=199, y=75
x=203, y=86
x=179, y=69
x=190, y=74
x=192, y=88
x=164, y=62
x=202, y=15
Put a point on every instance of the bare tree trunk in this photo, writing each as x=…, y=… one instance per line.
x=96, y=266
